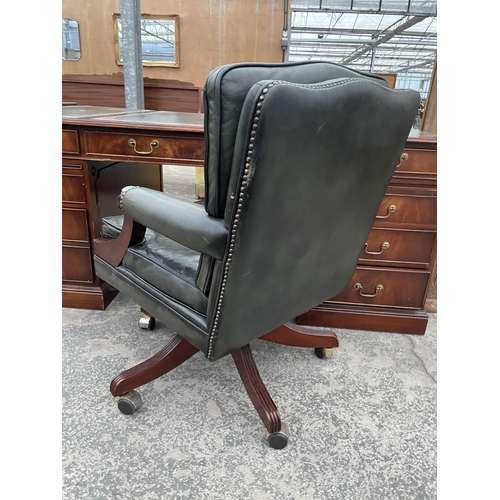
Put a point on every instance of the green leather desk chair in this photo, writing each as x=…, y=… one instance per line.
x=297, y=160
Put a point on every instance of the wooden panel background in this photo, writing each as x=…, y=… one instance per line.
x=109, y=90
x=211, y=34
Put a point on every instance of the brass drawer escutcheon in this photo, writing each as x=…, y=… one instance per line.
x=402, y=159
x=390, y=211
x=385, y=245
x=359, y=288
x=153, y=144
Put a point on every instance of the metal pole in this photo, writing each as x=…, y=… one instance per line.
x=131, y=47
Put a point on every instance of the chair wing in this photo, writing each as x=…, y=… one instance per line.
x=224, y=93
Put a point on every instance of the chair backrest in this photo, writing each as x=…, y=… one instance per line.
x=310, y=166
x=225, y=91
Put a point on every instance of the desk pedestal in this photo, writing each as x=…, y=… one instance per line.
x=105, y=149
x=90, y=189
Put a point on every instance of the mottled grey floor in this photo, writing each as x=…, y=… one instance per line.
x=362, y=423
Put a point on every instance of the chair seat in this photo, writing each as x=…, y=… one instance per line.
x=163, y=263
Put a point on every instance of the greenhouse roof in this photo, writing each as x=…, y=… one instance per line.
x=380, y=36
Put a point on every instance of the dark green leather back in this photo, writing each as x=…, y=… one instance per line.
x=225, y=91
x=311, y=164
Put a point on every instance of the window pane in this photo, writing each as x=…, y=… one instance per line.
x=395, y=5
x=423, y=6
x=366, y=5
x=305, y=4
x=337, y=4
x=70, y=40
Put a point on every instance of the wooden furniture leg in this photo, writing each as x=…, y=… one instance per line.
x=302, y=336
x=171, y=356
x=266, y=408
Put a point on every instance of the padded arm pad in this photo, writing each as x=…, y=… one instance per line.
x=184, y=222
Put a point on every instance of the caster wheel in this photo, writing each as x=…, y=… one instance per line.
x=147, y=322
x=130, y=402
x=323, y=352
x=278, y=440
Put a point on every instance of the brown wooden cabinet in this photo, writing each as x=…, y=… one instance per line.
x=80, y=286
x=390, y=284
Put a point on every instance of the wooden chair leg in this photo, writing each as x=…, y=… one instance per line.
x=257, y=391
x=301, y=336
x=171, y=356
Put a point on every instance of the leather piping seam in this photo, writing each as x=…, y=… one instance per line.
x=243, y=184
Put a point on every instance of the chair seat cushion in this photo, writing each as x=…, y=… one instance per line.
x=164, y=263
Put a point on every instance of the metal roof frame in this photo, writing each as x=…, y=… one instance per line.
x=379, y=36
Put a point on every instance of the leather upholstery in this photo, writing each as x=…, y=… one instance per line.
x=313, y=163
x=296, y=173
x=225, y=90
x=167, y=265
x=182, y=319
x=183, y=221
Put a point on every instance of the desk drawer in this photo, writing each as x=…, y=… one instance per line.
x=144, y=146
x=73, y=188
x=70, y=141
x=418, y=161
x=408, y=210
x=77, y=264
x=398, y=247
x=75, y=225
x=385, y=288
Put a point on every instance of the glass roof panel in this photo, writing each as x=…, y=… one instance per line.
x=409, y=6
x=365, y=5
x=395, y=5
x=335, y=4
x=379, y=36
x=424, y=6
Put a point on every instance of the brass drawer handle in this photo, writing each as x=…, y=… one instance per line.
x=359, y=287
x=402, y=159
x=390, y=211
x=385, y=245
x=153, y=144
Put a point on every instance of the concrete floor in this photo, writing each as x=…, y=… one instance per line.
x=362, y=423
x=179, y=181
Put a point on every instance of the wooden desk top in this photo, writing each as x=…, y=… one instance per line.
x=100, y=116
x=422, y=137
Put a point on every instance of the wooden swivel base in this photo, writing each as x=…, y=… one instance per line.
x=179, y=350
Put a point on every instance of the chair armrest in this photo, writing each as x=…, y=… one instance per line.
x=184, y=222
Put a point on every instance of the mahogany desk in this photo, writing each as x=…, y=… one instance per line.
x=103, y=150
